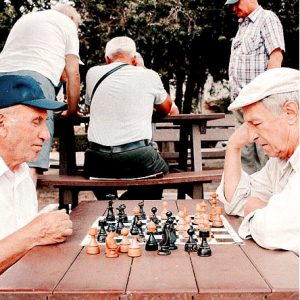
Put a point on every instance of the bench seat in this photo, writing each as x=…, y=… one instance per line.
x=72, y=184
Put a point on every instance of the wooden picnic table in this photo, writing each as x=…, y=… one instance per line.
x=65, y=271
x=191, y=128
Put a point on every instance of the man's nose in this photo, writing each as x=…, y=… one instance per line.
x=253, y=135
x=45, y=134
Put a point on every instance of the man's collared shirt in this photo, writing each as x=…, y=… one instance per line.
x=259, y=34
x=18, y=200
x=277, y=225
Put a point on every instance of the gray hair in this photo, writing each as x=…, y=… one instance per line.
x=67, y=10
x=120, y=44
x=275, y=103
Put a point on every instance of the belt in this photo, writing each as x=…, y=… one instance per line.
x=120, y=148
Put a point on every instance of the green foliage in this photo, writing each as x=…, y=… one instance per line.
x=178, y=39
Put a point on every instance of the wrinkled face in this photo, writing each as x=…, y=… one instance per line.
x=242, y=8
x=26, y=132
x=268, y=130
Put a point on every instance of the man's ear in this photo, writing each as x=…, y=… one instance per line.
x=133, y=61
x=291, y=111
x=107, y=60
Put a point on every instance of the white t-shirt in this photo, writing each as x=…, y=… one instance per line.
x=39, y=41
x=18, y=200
x=122, y=106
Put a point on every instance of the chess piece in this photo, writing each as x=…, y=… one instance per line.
x=213, y=202
x=122, y=213
x=151, y=244
x=110, y=217
x=92, y=248
x=165, y=243
x=134, y=249
x=217, y=221
x=142, y=215
x=124, y=244
x=180, y=226
x=111, y=247
x=188, y=221
x=203, y=207
x=141, y=236
x=164, y=211
x=102, y=234
x=204, y=249
x=154, y=218
x=120, y=225
x=172, y=232
x=134, y=229
x=197, y=218
x=191, y=244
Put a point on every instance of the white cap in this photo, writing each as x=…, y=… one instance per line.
x=122, y=44
x=272, y=81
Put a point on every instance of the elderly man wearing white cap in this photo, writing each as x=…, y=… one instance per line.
x=23, y=131
x=268, y=199
x=257, y=46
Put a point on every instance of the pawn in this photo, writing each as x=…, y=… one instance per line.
x=134, y=249
x=180, y=226
x=164, y=211
x=154, y=218
x=151, y=244
x=124, y=244
x=217, y=221
x=92, y=248
x=111, y=247
x=191, y=244
x=102, y=234
x=204, y=249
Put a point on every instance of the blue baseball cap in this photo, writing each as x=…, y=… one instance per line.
x=15, y=89
x=230, y=2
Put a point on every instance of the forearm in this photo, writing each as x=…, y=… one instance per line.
x=232, y=171
x=275, y=59
x=13, y=247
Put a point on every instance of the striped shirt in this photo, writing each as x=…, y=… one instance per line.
x=259, y=34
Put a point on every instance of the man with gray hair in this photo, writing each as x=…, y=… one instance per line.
x=43, y=45
x=122, y=98
x=269, y=198
x=257, y=47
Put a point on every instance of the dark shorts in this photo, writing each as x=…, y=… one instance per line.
x=133, y=163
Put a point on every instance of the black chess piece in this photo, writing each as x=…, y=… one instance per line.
x=191, y=244
x=165, y=246
x=142, y=215
x=110, y=217
x=141, y=237
x=102, y=234
x=134, y=229
x=172, y=233
x=120, y=225
x=122, y=213
x=151, y=244
x=204, y=249
x=153, y=217
x=111, y=227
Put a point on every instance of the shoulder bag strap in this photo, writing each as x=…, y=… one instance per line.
x=104, y=76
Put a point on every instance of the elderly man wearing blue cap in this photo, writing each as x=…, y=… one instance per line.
x=257, y=46
x=269, y=199
x=23, y=131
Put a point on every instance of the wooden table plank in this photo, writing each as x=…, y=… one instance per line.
x=167, y=276
x=228, y=274
x=44, y=266
x=280, y=269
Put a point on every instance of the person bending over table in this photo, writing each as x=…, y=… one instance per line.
x=269, y=199
x=121, y=108
x=23, y=131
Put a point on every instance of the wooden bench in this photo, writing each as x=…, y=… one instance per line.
x=70, y=185
x=185, y=182
x=214, y=140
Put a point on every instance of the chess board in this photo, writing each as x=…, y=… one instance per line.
x=219, y=236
